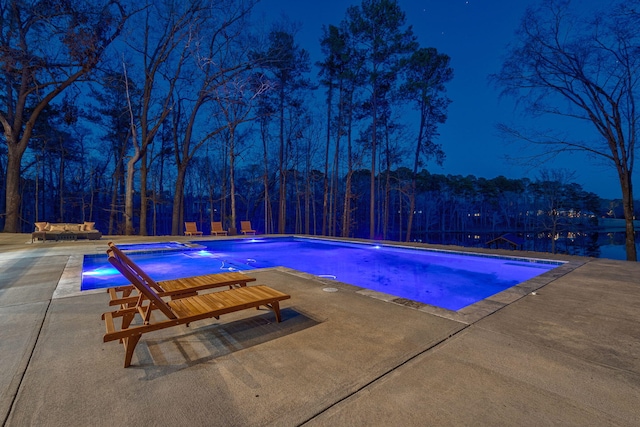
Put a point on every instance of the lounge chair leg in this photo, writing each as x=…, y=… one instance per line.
x=275, y=306
x=127, y=319
x=129, y=345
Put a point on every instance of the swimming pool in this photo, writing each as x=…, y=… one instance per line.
x=449, y=280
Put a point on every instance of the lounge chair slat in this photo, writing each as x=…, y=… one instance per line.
x=192, y=307
x=229, y=298
x=205, y=282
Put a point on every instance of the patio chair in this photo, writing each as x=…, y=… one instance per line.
x=180, y=311
x=245, y=227
x=126, y=296
x=191, y=229
x=216, y=229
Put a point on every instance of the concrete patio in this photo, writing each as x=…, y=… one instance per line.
x=566, y=354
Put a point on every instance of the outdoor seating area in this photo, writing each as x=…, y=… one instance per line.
x=191, y=229
x=185, y=306
x=65, y=231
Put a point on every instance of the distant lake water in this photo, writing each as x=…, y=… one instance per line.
x=597, y=244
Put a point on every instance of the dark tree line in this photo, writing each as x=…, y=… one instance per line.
x=151, y=114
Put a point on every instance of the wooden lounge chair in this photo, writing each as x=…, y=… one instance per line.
x=245, y=227
x=126, y=296
x=191, y=229
x=216, y=229
x=181, y=311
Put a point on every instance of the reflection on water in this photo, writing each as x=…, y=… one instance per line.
x=597, y=244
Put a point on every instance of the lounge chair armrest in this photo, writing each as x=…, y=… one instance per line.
x=119, y=313
x=123, y=288
x=122, y=301
x=108, y=321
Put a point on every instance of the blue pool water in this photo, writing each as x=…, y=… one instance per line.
x=444, y=279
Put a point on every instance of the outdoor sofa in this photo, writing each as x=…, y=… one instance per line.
x=65, y=231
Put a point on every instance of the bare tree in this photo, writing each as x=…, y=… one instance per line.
x=33, y=73
x=584, y=70
x=158, y=47
x=235, y=99
x=214, y=43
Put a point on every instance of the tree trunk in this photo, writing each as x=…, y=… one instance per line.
x=334, y=186
x=178, y=202
x=416, y=165
x=232, y=180
x=37, y=189
x=346, y=216
x=372, y=182
x=114, y=199
x=61, y=183
x=307, y=204
x=282, y=204
x=144, y=200
x=307, y=191
x=346, y=211
x=400, y=216
x=128, y=203
x=627, y=205
x=14, y=159
x=387, y=188
x=325, y=195
x=268, y=213
x=554, y=229
x=224, y=195
x=412, y=208
x=15, y=150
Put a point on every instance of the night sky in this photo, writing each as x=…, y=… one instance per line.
x=475, y=34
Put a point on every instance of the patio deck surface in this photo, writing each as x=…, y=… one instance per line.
x=567, y=355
